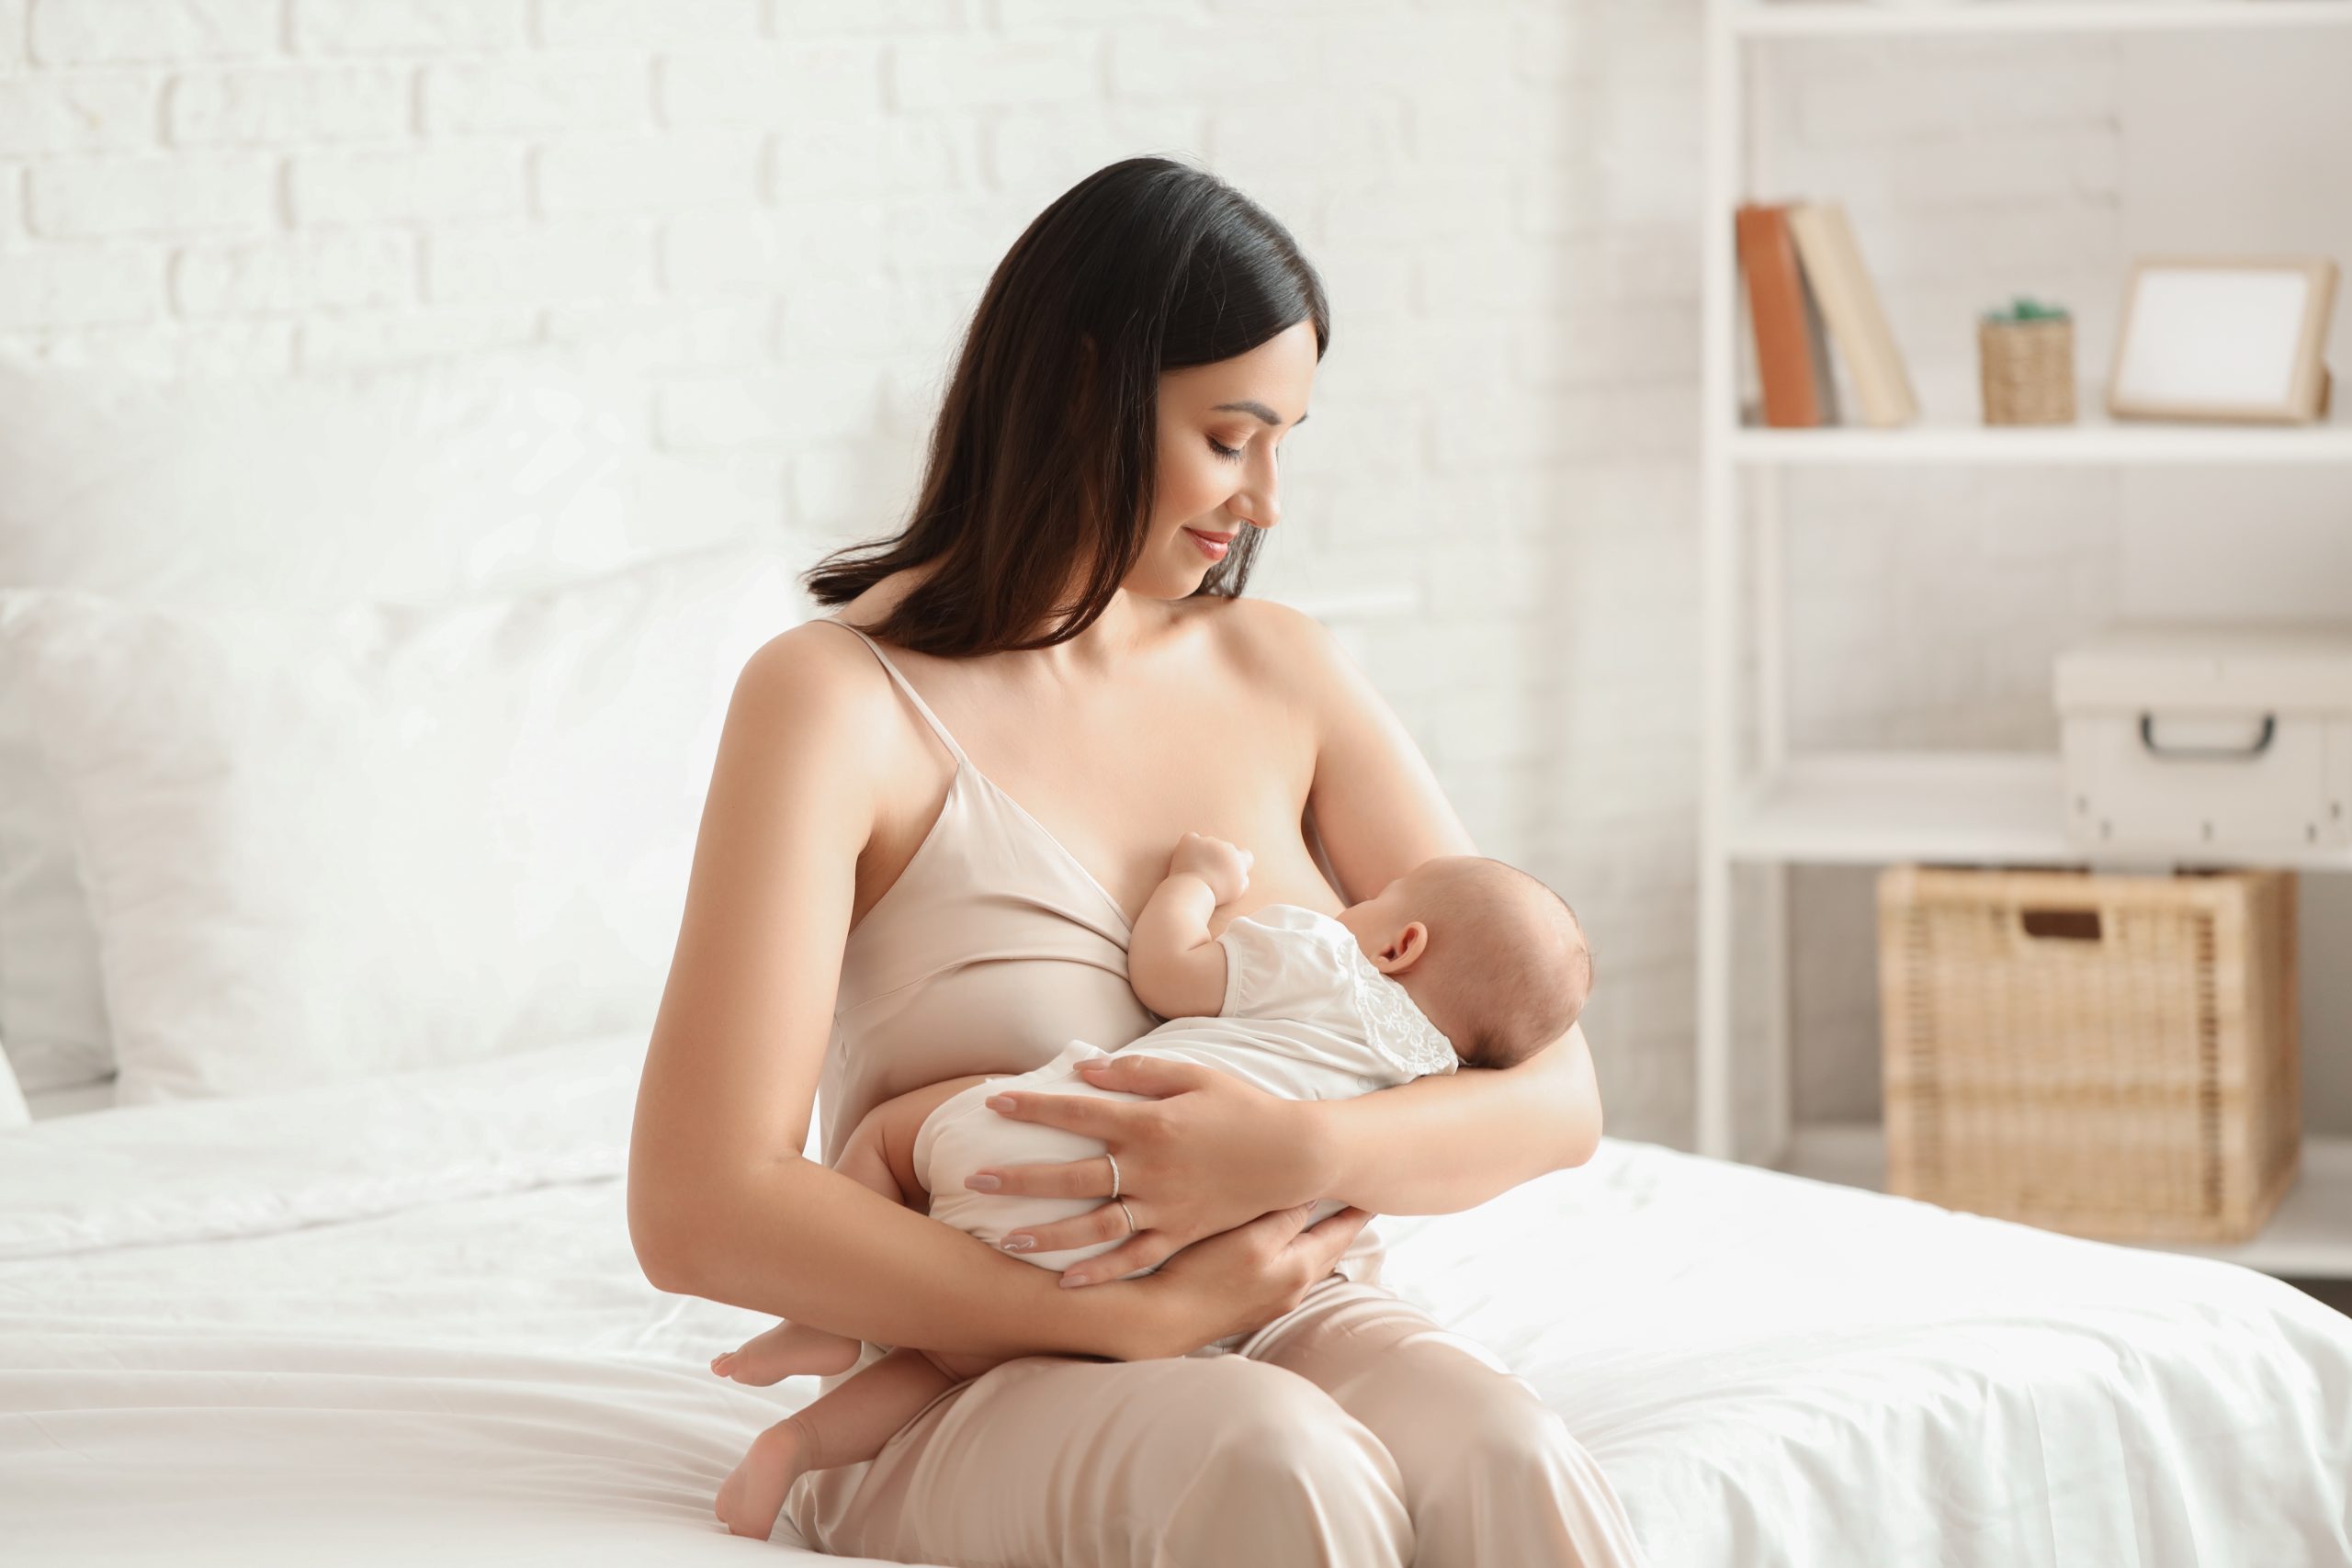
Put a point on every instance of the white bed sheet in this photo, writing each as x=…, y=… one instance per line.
x=398, y=1322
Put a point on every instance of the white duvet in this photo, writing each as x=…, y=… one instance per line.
x=398, y=1322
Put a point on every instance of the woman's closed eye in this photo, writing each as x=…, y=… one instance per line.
x=1230, y=453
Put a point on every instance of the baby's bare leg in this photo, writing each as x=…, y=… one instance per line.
x=790, y=1349
x=845, y=1426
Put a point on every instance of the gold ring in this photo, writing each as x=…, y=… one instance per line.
x=1129, y=1212
x=1115, y=1171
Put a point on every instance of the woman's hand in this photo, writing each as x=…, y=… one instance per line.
x=1248, y=1276
x=1207, y=1153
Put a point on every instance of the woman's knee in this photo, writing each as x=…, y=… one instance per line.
x=1272, y=1419
x=1504, y=1436
x=1274, y=1450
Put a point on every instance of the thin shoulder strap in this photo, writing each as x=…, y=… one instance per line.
x=913, y=696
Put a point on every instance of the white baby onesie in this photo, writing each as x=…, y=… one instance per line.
x=1306, y=1016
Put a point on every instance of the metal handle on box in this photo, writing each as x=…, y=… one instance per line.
x=2170, y=753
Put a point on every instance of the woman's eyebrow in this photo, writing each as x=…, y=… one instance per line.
x=1251, y=405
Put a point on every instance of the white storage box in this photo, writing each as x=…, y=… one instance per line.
x=2197, y=740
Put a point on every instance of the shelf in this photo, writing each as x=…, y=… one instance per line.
x=1954, y=807
x=1875, y=809
x=2310, y=1237
x=1849, y=18
x=2094, y=440
x=1973, y=808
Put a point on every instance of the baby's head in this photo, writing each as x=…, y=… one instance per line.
x=1497, y=960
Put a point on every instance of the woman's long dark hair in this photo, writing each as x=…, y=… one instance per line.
x=1047, y=440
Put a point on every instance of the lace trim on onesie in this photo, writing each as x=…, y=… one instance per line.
x=1396, y=1023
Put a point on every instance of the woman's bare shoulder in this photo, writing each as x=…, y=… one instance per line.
x=1243, y=627
x=812, y=660
x=816, y=686
x=810, y=666
x=1275, y=645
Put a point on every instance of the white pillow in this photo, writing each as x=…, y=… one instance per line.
x=222, y=492
x=393, y=838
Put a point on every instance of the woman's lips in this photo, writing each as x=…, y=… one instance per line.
x=1211, y=546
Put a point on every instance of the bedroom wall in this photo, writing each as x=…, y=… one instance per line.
x=781, y=212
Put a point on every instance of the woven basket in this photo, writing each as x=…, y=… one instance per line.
x=2110, y=1056
x=2028, y=371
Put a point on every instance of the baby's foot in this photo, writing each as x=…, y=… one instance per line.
x=787, y=1350
x=751, y=1498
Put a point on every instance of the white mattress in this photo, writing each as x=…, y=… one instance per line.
x=399, y=1321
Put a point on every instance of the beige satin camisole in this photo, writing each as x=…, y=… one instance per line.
x=993, y=949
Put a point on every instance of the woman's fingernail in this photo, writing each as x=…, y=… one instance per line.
x=1000, y=1103
x=1073, y=1280
x=982, y=1182
x=1019, y=1242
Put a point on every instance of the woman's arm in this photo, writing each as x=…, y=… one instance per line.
x=721, y=1203
x=1450, y=1142
x=1446, y=1143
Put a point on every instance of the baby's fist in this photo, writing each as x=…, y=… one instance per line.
x=1224, y=866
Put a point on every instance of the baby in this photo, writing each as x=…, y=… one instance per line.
x=1462, y=961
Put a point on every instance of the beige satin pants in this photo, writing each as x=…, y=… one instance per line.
x=1349, y=1433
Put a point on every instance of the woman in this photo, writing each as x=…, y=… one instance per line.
x=1059, y=629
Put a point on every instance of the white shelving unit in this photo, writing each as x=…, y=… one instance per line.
x=1772, y=809
x=1915, y=19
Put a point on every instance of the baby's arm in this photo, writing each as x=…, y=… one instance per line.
x=1176, y=967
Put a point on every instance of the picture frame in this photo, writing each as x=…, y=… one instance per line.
x=2231, y=338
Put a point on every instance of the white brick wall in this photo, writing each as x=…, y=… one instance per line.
x=782, y=211
x=273, y=105
x=65, y=33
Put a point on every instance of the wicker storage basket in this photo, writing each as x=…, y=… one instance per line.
x=2111, y=1056
x=2027, y=369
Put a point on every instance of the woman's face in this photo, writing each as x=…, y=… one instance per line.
x=1220, y=428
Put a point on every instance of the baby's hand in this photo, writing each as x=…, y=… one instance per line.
x=1224, y=866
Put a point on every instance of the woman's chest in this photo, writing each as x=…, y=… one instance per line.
x=1113, y=785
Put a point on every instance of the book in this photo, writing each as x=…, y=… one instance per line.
x=1816, y=344
x=1832, y=263
x=1776, y=314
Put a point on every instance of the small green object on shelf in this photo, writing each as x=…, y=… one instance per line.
x=2026, y=309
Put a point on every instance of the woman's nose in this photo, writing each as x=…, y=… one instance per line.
x=1260, y=503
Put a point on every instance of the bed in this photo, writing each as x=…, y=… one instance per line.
x=398, y=1320
x=315, y=1249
